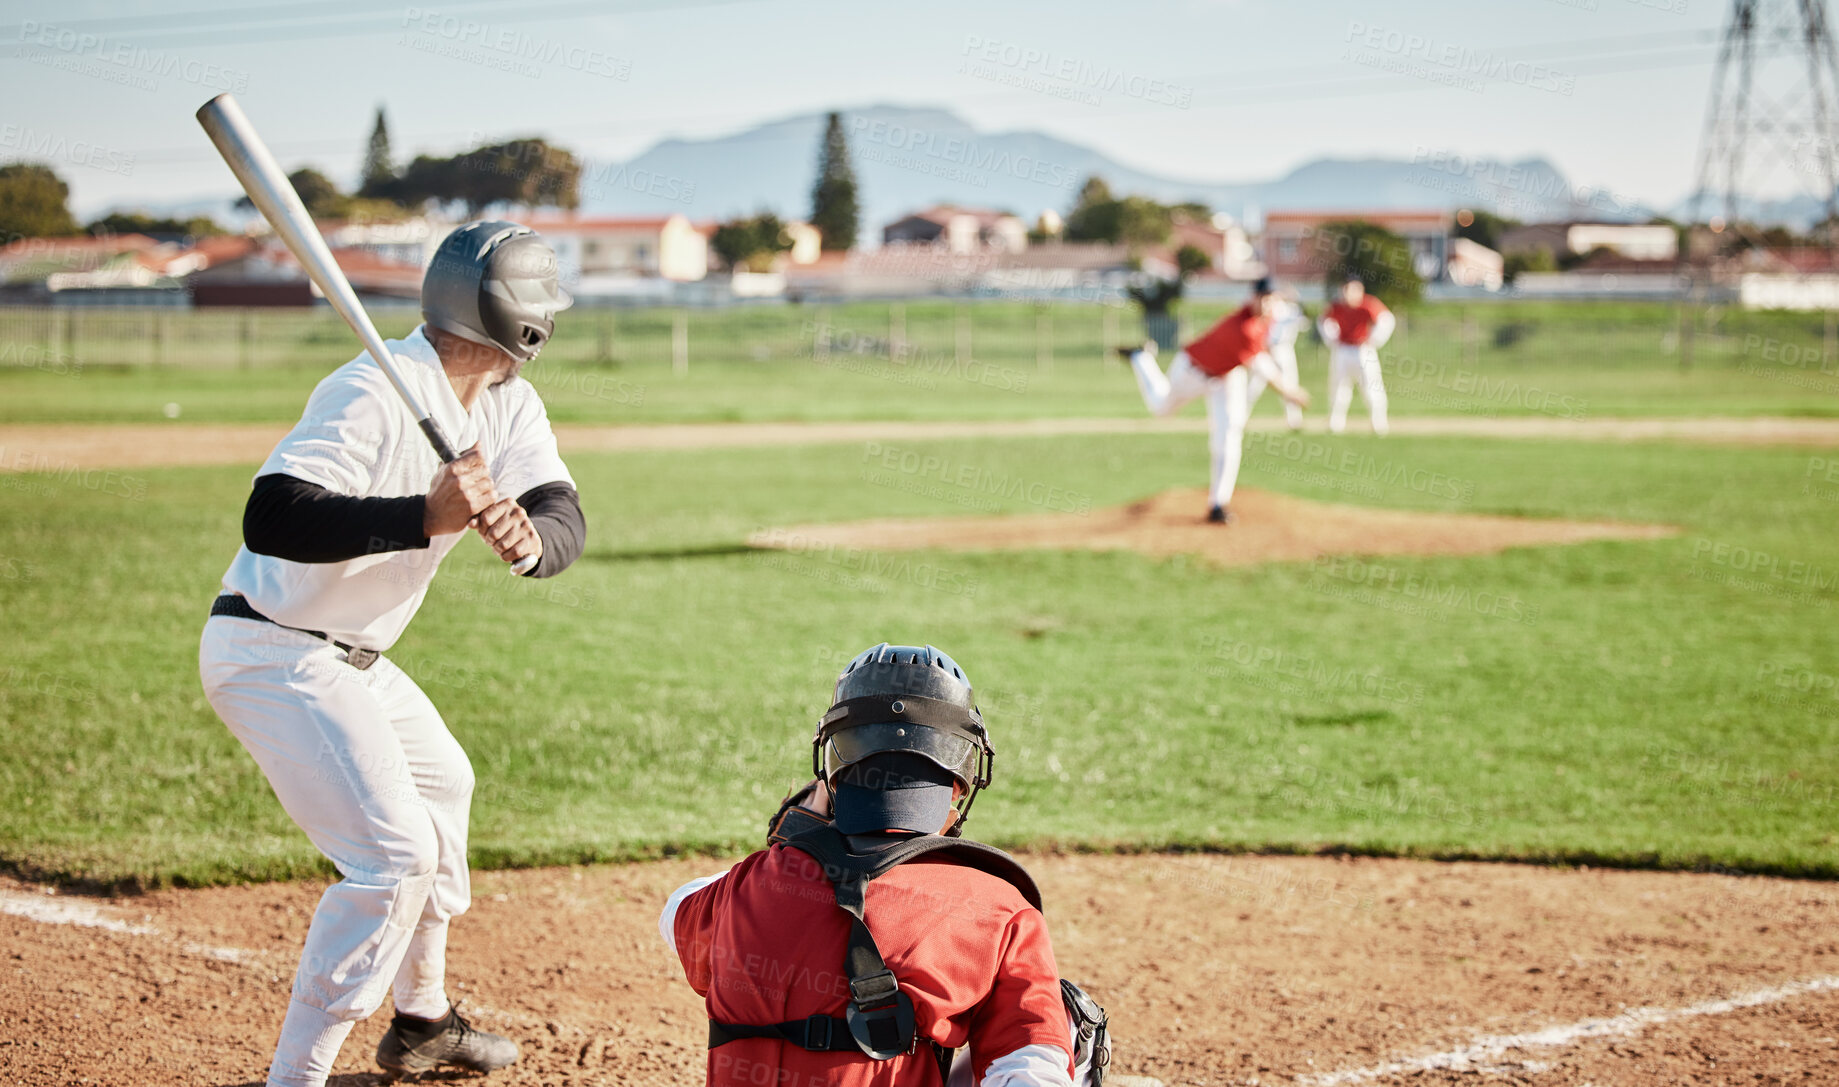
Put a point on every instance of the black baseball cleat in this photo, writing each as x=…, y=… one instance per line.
x=1125, y=352
x=413, y=1046
x=1219, y=515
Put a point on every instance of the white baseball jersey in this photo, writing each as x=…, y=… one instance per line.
x=1286, y=322
x=358, y=439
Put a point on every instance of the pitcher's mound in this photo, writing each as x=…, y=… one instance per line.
x=1270, y=528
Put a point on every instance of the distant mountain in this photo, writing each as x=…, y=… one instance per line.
x=907, y=158
x=1798, y=212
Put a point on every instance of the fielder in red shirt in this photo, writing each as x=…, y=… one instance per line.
x=1218, y=366
x=1355, y=327
x=870, y=944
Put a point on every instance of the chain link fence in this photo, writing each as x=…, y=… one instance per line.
x=1447, y=338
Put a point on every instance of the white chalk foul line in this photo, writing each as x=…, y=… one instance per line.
x=49, y=909
x=54, y=910
x=1488, y=1050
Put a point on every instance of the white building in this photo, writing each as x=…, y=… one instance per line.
x=1636, y=241
x=1472, y=264
x=600, y=250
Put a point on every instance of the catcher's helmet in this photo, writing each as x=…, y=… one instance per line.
x=910, y=709
x=494, y=282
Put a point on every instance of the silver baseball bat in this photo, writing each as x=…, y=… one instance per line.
x=268, y=188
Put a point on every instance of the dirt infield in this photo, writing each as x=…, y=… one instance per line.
x=1304, y=970
x=1270, y=528
x=55, y=446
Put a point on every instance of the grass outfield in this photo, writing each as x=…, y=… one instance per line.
x=1657, y=703
x=1566, y=360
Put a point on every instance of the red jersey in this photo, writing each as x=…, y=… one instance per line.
x=764, y=944
x=1238, y=338
x=1356, y=322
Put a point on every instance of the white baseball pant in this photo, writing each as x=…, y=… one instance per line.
x=1349, y=366
x=1228, y=407
x=1283, y=356
x=363, y=763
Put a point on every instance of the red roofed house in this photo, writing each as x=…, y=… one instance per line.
x=33, y=260
x=1293, y=248
x=266, y=274
x=959, y=230
x=605, y=247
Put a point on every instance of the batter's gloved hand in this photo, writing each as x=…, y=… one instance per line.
x=803, y=808
x=461, y=488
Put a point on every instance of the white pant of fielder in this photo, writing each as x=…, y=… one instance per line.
x=1348, y=366
x=1283, y=356
x=362, y=761
x=1228, y=406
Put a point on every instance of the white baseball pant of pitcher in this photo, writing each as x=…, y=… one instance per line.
x=1228, y=406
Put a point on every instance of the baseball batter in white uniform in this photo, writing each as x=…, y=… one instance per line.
x=1355, y=326
x=1286, y=321
x=347, y=522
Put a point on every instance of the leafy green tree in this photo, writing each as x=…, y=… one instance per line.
x=134, y=222
x=317, y=192
x=1568, y=261
x=1096, y=214
x=379, y=168
x=1526, y=260
x=530, y=172
x=1379, y=258
x=1142, y=221
x=835, y=205
x=32, y=203
x=1484, y=227
x=426, y=177
x=751, y=243
x=1191, y=260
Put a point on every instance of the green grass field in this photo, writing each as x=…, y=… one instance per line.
x=1648, y=703
x=926, y=360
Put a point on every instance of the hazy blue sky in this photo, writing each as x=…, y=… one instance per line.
x=1612, y=91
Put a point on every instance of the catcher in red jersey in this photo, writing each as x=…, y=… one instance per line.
x=1218, y=367
x=1355, y=326
x=870, y=943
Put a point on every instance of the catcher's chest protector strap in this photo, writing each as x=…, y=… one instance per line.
x=879, y=1017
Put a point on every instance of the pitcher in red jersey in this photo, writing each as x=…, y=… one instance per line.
x=1217, y=366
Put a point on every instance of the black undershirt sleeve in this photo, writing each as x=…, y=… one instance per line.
x=292, y=519
x=555, y=511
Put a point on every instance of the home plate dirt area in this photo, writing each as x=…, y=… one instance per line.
x=1314, y=971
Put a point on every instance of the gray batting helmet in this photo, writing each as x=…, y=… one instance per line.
x=494, y=282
